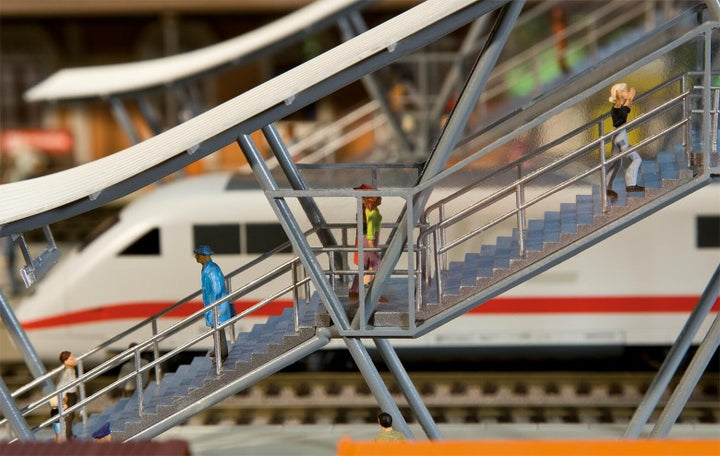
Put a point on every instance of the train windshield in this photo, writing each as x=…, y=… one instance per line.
x=100, y=229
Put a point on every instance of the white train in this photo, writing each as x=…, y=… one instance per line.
x=633, y=289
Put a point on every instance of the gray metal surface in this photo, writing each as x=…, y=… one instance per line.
x=193, y=387
x=278, y=343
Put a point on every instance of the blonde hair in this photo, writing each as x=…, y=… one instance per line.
x=615, y=89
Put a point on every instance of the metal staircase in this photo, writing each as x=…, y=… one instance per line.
x=558, y=207
x=267, y=348
x=464, y=283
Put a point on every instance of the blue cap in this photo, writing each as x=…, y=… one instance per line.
x=204, y=250
x=103, y=431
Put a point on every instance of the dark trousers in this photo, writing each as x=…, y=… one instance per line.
x=72, y=399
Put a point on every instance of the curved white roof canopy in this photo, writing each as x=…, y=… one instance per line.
x=106, y=80
x=24, y=199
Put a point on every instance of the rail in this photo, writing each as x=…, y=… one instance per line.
x=298, y=287
x=590, y=158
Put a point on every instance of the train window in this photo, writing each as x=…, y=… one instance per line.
x=147, y=244
x=263, y=237
x=223, y=239
x=708, y=231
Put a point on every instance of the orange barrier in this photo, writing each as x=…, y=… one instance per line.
x=644, y=447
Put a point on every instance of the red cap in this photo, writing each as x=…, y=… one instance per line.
x=364, y=187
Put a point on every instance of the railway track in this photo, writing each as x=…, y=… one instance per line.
x=475, y=397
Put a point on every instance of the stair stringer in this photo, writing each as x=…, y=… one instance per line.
x=216, y=389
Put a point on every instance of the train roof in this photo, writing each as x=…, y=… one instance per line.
x=185, y=191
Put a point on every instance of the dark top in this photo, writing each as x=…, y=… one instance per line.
x=619, y=115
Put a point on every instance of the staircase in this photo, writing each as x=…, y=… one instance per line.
x=193, y=383
x=578, y=222
x=468, y=280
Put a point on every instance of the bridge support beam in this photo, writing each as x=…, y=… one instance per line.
x=375, y=383
x=445, y=145
x=294, y=232
x=674, y=357
x=689, y=380
x=408, y=388
x=298, y=183
x=23, y=343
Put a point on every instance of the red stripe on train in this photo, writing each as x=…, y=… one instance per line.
x=504, y=305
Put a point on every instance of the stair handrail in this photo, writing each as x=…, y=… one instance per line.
x=555, y=164
x=437, y=230
x=154, y=318
x=186, y=322
x=532, y=154
x=485, y=202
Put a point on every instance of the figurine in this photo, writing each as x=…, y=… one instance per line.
x=387, y=433
x=102, y=434
x=129, y=386
x=213, y=288
x=371, y=219
x=70, y=395
x=621, y=97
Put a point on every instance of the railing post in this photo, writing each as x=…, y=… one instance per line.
x=520, y=201
x=138, y=381
x=228, y=287
x=331, y=268
x=716, y=119
x=411, y=268
x=61, y=414
x=307, y=285
x=603, y=170
x=441, y=217
x=156, y=351
x=81, y=388
x=216, y=340
x=345, y=242
x=438, y=271
x=296, y=297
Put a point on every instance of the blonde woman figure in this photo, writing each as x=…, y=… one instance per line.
x=621, y=97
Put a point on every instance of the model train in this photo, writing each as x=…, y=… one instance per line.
x=633, y=289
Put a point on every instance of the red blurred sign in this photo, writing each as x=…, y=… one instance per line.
x=51, y=142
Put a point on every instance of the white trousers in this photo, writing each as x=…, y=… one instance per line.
x=620, y=144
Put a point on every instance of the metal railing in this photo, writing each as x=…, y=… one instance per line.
x=298, y=286
x=437, y=219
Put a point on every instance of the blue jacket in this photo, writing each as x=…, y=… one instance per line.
x=213, y=288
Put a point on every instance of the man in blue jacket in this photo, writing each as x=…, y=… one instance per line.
x=213, y=288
